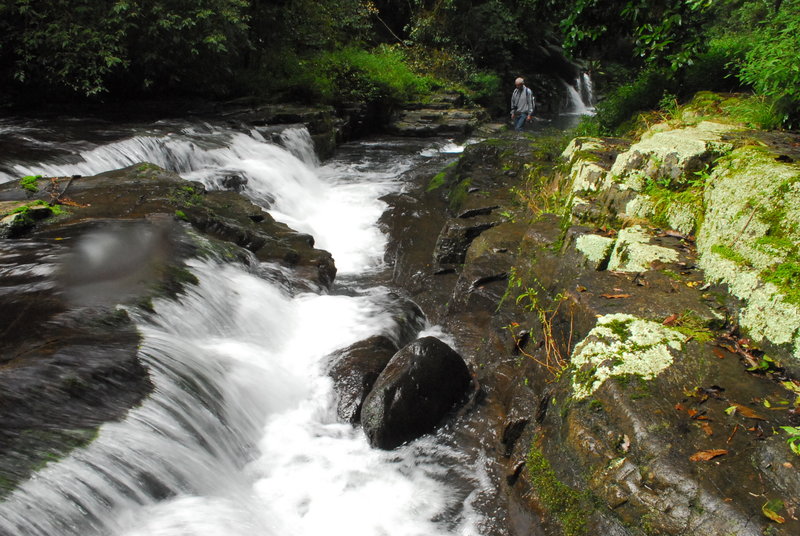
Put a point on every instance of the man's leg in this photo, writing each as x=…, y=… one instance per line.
x=519, y=121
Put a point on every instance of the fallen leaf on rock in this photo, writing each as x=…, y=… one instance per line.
x=614, y=296
x=744, y=411
x=705, y=455
x=707, y=428
x=770, y=509
x=680, y=407
x=670, y=319
x=718, y=353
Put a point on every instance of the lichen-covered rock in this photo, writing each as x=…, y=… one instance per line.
x=749, y=241
x=577, y=147
x=672, y=154
x=622, y=344
x=633, y=251
x=596, y=248
x=419, y=387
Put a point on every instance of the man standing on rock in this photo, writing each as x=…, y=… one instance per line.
x=521, y=104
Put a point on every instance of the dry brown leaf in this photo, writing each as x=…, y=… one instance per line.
x=614, y=296
x=748, y=412
x=705, y=455
x=670, y=319
x=707, y=428
x=718, y=353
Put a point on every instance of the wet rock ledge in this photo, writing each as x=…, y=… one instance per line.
x=69, y=355
x=629, y=311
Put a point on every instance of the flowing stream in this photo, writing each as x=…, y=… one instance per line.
x=239, y=436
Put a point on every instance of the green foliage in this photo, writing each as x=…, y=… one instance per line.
x=756, y=111
x=82, y=45
x=484, y=87
x=353, y=74
x=644, y=93
x=794, y=438
x=771, y=65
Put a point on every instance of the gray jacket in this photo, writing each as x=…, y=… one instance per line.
x=522, y=100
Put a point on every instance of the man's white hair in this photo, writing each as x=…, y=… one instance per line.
x=519, y=81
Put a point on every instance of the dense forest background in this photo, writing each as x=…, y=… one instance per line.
x=641, y=53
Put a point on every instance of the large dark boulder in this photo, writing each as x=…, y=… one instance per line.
x=419, y=387
x=354, y=371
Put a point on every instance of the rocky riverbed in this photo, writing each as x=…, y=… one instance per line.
x=630, y=352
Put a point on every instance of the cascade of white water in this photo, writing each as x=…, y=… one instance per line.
x=586, y=89
x=239, y=435
x=285, y=180
x=580, y=96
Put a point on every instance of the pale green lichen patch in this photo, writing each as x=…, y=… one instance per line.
x=750, y=240
x=620, y=345
x=766, y=314
x=633, y=253
x=673, y=154
x=586, y=176
x=666, y=211
x=595, y=248
x=579, y=145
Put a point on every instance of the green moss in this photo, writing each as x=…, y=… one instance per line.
x=459, y=193
x=786, y=276
x=596, y=405
x=672, y=274
x=181, y=215
x=30, y=183
x=620, y=328
x=636, y=386
x=666, y=197
x=585, y=376
x=147, y=166
x=437, y=181
x=186, y=196
x=569, y=506
x=727, y=252
x=693, y=327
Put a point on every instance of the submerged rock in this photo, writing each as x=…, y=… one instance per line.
x=420, y=386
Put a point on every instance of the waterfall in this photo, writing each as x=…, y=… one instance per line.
x=239, y=436
x=580, y=96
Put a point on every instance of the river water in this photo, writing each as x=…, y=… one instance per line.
x=239, y=436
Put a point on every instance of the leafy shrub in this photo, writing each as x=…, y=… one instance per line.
x=361, y=75
x=715, y=69
x=621, y=104
x=770, y=66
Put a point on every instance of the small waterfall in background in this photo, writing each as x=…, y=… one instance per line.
x=239, y=436
x=580, y=96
